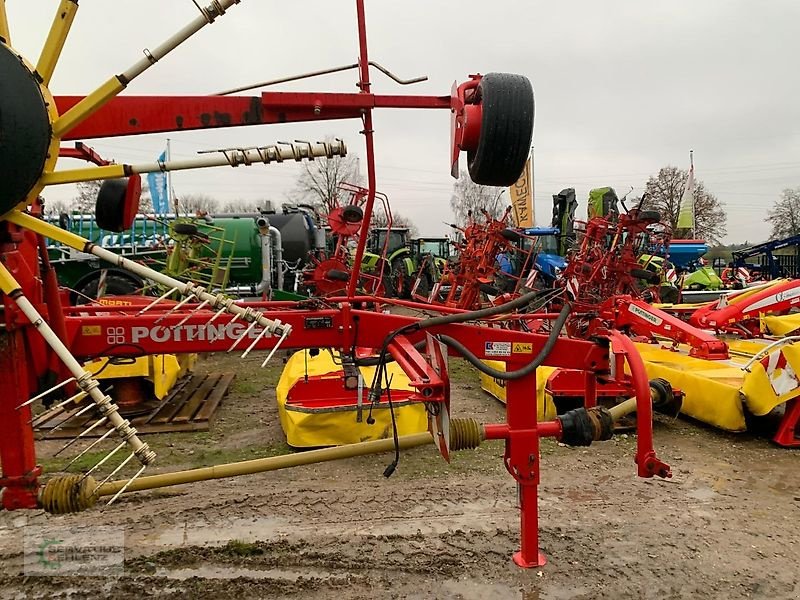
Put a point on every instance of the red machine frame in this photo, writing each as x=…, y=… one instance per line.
x=97, y=331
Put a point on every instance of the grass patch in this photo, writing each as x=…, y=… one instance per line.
x=214, y=456
x=240, y=548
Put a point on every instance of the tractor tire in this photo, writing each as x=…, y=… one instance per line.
x=506, y=129
x=337, y=275
x=668, y=294
x=185, y=229
x=648, y=276
x=489, y=289
x=401, y=281
x=424, y=286
x=352, y=214
x=110, y=205
x=650, y=216
x=118, y=283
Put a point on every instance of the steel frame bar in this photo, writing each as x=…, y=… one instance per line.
x=54, y=44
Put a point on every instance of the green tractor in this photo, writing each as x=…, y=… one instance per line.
x=414, y=264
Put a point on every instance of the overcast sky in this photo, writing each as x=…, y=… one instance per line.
x=622, y=88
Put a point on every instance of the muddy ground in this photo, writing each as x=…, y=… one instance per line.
x=727, y=525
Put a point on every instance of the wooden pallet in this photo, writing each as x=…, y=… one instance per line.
x=190, y=406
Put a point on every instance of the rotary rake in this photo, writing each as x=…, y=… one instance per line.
x=42, y=341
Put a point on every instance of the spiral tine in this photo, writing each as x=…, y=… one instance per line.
x=125, y=487
x=43, y=394
x=174, y=308
x=86, y=408
x=255, y=341
x=244, y=335
x=187, y=317
x=86, y=431
x=280, y=341
x=115, y=471
x=102, y=461
x=90, y=446
x=157, y=300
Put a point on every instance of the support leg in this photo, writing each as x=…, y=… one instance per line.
x=788, y=433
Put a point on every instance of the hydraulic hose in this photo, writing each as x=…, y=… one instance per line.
x=519, y=373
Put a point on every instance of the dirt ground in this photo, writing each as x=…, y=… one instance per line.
x=727, y=525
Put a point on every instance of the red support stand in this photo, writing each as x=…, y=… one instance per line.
x=19, y=484
x=788, y=434
x=522, y=462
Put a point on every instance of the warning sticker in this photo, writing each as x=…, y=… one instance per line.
x=523, y=348
x=497, y=348
x=90, y=330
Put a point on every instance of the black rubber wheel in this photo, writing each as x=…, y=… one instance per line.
x=401, y=281
x=424, y=286
x=337, y=275
x=118, y=283
x=352, y=214
x=650, y=216
x=510, y=235
x=648, y=276
x=185, y=228
x=24, y=130
x=110, y=205
x=668, y=294
x=489, y=289
x=506, y=129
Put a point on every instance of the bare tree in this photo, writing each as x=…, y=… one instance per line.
x=240, y=205
x=470, y=198
x=86, y=199
x=664, y=192
x=196, y=203
x=785, y=214
x=399, y=221
x=56, y=207
x=319, y=179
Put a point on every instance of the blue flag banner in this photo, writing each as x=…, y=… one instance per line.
x=158, y=189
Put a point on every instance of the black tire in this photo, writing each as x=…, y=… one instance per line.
x=118, y=283
x=337, y=275
x=109, y=208
x=648, y=276
x=650, y=216
x=352, y=214
x=506, y=129
x=424, y=286
x=401, y=281
x=510, y=235
x=185, y=228
x=669, y=294
x=489, y=289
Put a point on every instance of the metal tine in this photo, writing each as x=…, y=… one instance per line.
x=187, y=317
x=280, y=341
x=255, y=341
x=86, y=431
x=86, y=408
x=43, y=394
x=115, y=471
x=157, y=300
x=174, y=308
x=217, y=314
x=125, y=487
x=103, y=460
x=244, y=335
x=79, y=396
x=90, y=446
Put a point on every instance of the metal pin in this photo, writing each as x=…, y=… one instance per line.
x=187, y=317
x=90, y=446
x=217, y=314
x=244, y=335
x=102, y=461
x=174, y=308
x=280, y=341
x=255, y=341
x=43, y=394
x=114, y=472
x=82, y=433
x=125, y=487
x=156, y=301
